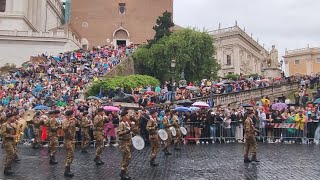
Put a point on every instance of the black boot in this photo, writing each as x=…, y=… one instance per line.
x=153, y=163
x=84, y=151
x=247, y=160
x=98, y=161
x=67, y=172
x=7, y=171
x=52, y=160
x=254, y=159
x=176, y=147
x=124, y=176
x=16, y=159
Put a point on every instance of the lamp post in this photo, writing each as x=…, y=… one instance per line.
x=211, y=91
x=173, y=66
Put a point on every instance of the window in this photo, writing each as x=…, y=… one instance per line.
x=228, y=60
x=2, y=5
x=297, y=61
x=122, y=8
x=318, y=60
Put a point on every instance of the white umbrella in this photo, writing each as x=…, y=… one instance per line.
x=200, y=104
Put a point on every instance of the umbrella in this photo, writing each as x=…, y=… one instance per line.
x=265, y=80
x=57, y=58
x=41, y=107
x=93, y=97
x=317, y=101
x=279, y=106
x=150, y=92
x=200, y=104
x=111, y=108
x=191, y=88
x=228, y=82
x=182, y=109
x=246, y=105
x=194, y=108
x=185, y=103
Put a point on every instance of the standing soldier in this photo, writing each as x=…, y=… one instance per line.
x=250, y=139
x=152, y=127
x=167, y=125
x=37, y=130
x=175, y=124
x=53, y=126
x=98, y=124
x=69, y=128
x=8, y=133
x=124, y=131
x=85, y=128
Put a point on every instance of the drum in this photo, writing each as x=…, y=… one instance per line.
x=173, y=131
x=183, y=130
x=138, y=142
x=163, y=134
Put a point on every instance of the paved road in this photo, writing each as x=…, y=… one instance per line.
x=194, y=162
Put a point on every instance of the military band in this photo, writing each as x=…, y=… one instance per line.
x=53, y=125
x=152, y=127
x=166, y=124
x=98, y=124
x=86, y=123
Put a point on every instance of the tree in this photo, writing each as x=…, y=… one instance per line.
x=232, y=76
x=162, y=27
x=7, y=68
x=192, y=50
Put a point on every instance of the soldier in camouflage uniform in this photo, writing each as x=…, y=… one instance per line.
x=175, y=124
x=53, y=126
x=85, y=128
x=250, y=142
x=8, y=133
x=125, y=144
x=98, y=124
x=152, y=127
x=37, y=130
x=166, y=125
x=69, y=128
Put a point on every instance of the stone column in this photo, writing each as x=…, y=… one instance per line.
x=9, y=6
x=236, y=60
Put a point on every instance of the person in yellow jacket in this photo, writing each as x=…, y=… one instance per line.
x=300, y=120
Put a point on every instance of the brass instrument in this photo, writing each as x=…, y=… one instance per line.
x=22, y=124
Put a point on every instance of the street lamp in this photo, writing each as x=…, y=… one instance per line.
x=173, y=66
x=211, y=103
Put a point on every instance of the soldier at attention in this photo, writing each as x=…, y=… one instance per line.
x=175, y=124
x=53, y=125
x=86, y=123
x=167, y=125
x=69, y=128
x=98, y=124
x=152, y=127
x=251, y=142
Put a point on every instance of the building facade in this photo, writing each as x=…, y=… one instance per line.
x=304, y=61
x=116, y=22
x=238, y=53
x=26, y=30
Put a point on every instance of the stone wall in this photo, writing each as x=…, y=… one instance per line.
x=125, y=68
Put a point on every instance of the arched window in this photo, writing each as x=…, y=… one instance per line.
x=2, y=5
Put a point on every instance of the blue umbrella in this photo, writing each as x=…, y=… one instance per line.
x=182, y=109
x=57, y=58
x=317, y=101
x=192, y=108
x=41, y=107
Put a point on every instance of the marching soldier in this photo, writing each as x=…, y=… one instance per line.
x=152, y=127
x=135, y=123
x=167, y=125
x=8, y=133
x=69, y=128
x=85, y=128
x=16, y=158
x=124, y=131
x=53, y=126
x=98, y=124
x=250, y=142
x=175, y=124
x=37, y=130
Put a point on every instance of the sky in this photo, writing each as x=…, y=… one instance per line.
x=290, y=24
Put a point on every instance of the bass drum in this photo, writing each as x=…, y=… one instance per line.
x=163, y=135
x=183, y=130
x=138, y=142
x=173, y=131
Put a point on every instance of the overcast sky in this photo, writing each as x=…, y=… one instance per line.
x=288, y=24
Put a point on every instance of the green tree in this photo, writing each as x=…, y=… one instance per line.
x=7, y=68
x=233, y=76
x=192, y=50
x=162, y=27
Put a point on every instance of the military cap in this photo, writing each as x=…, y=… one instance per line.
x=124, y=113
x=249, y=111
x=68, y=113
x=85, y=113
x=152, y=111
x=54, y=112
x=9, y=115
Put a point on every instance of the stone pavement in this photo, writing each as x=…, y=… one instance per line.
x=193, y=162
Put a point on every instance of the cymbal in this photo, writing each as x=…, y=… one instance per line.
x=29, y=115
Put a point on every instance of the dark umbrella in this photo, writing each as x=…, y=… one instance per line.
x=185, y=103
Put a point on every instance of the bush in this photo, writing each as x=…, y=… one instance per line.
x=234, y=77
x=125, y=82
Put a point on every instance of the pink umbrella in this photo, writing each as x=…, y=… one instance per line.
x=111, y=108
x=200, y=104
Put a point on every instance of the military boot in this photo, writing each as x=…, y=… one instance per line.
x=153, y=163
x=52, y=160
x=84, y=151
x=124, y=176
x=254, y=159
x=7, y=171
x=177, y=148
x=16, y=159
x=247, y=160
x=67, y=172
x=99, y=162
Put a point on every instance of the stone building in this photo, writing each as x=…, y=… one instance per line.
x=304, y=61
x=29, y=28
x=115, y=22
x=239, y=53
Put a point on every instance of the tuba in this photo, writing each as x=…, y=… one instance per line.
x=22, y=124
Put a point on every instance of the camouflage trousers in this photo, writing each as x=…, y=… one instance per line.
x=69, y=146
x=53, y=145
x=177, y=138
x=125, y=146
x=85, y=142
x=250, y=143
x=37, y=136
x=155, y=145
x=9, y=146
x=169, y=140
x=98, y=136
